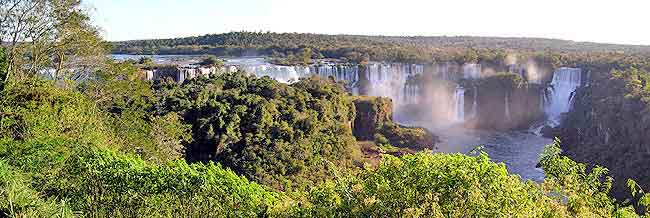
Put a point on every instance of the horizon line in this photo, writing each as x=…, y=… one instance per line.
x=380, y=35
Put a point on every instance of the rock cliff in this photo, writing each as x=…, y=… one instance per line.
x=374, y=115
x=609, y=129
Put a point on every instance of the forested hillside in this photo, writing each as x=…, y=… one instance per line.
x=381, y=48
x=288, y=40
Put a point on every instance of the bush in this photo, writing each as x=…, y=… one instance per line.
x=38, y=109
x=430, y=185
x=456, y=185
x=107, y=184
x=408, y=137
x=17, y=199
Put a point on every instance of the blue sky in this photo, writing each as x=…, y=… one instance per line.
x=620, y=21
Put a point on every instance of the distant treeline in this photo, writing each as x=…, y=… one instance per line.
x=418, y=49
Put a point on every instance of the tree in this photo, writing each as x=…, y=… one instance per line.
x=3, y=67
x=291, y=58
x=305, y=56
x=49, y=36
x=277, y=134
x=146, y=61
x=128, y=101
x=211, y=61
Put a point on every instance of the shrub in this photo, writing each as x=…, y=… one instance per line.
x=107, y=184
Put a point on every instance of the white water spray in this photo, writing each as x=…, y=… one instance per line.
x=475, y=104
x=459, y=104
x=565, y=82
x=472, y=71
x=507, y=107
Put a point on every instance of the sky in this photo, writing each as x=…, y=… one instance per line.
x=606, y=21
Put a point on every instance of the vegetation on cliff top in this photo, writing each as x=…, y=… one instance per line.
x=276, y=134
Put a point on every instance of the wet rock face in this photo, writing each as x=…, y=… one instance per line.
x=371, y=113
x=505, y=103
x=605, y=128
x=374, y=117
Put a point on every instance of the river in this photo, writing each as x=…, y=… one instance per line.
x=518, y=150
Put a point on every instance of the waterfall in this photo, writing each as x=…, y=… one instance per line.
x=472, y=71
x=288, y=74
x=475, y=103
x=410, y=93
x=542, y=99
x=507, y=107
x=391, y=80
x=283, y=74
x=444, y=71
x=459, y=104
x=565, y=82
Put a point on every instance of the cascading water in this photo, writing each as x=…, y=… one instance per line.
x=391, y=80
x=385, y=81
x=565, y=82
x=284, y=74
x=459, y=104
x=446, y=71
x=507, y=107
x=348, y=73
x=288, y=74
x=475, y=103
x=410, y=93
x=542, y=99
x=472, y=71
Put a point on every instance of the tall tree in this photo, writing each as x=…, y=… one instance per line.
x=305, y=55
x=49, y=36
x=3, y=67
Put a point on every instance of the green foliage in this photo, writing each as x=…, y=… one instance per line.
x=455, y=185
x=381, y=139
x=211, y=61
x=17, y=199
x=99, y=150
x=636, y=82
x=372, y=113
x=273, y=133
x=128, y=100
x=37, y=109
x=59, y=153
x=146, y=61
x=586, y=192
x=407, y=137
x=642, y=198
x=431, y=185
x=3, y=67
x=305, y=55
x=506, y=82
x=360, y=49
x=107, y=184
x=53, y=36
